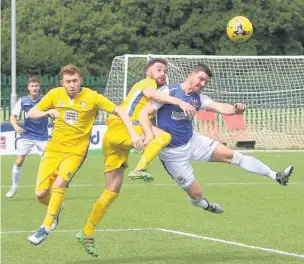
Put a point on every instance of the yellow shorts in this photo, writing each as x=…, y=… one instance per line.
x=54, y=163
x=116, y=145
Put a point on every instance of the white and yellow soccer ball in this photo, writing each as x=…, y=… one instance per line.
x=239, y=29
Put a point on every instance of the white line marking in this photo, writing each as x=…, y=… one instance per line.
x=272, y=150
x=75, y=230
x=161, y=184
x=232, y=243
x=167, y=231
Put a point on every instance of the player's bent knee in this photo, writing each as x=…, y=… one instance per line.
x=60, y=182
x=41, y=194
x=165, y=138
x=237, y=158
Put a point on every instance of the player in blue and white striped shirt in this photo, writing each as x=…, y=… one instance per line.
x=32, y=132
x=187, y=146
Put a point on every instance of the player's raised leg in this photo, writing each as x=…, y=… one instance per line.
x=196, y=198
x=178, y=165
x=250, y=164
x=161, y=139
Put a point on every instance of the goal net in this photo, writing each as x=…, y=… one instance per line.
x=272, y=87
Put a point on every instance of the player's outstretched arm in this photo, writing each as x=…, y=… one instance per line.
x=135, y=139
x=144, y=122
x=45, y=107
x=226, y=109
x=163, y=97
x=34, y=113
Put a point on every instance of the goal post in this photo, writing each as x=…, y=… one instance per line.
x=272, y=87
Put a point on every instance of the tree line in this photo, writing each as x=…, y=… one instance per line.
x=90, y=33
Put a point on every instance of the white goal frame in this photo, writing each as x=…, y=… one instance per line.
x=271, y=86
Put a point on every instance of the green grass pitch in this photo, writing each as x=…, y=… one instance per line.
x=155, y=223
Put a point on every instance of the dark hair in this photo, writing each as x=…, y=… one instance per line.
x=33, y=79
x=202, y=67
x=69, y=69
x=156, y=60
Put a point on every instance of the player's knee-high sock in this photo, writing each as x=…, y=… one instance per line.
x=45, y=200
x=152, y=150
x=16, y=172
x=99, y=210
x=252, y=165
x=55, y=203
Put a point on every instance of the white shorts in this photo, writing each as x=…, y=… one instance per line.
x=177, y=161
x=25, y=146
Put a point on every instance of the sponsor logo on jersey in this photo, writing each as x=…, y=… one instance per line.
x=71, y=117
x=179, y=116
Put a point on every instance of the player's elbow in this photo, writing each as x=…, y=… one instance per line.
x=118, y=111
x=30, y=114
x=12, y=118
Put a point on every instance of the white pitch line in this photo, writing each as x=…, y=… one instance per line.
x=168, y=231
x=75, y=230
x=232, y=243
x=159, y=184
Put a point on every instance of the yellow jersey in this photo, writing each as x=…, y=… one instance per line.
x=136, y=100
x=72, y=130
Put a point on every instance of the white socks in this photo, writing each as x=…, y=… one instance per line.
x=16, y=175
x=200, y=203
x=252, y=165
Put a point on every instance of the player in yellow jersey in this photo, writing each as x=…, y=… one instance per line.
x=116, y=143
x=74, y=109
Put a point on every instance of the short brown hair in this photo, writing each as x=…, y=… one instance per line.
x=69, y=69
x=202, y=67
x=33, y=79
x=156, y=60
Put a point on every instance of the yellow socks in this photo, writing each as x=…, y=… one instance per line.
x=55, y=203
x=154, y=147
x=99, y=210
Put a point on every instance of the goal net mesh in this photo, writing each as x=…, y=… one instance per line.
x=271, y=87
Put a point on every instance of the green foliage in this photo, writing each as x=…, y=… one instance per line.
x=91, y=33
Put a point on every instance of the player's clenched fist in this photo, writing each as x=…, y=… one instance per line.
x=53, y=113
x=137, y=142
x=188, y=109
x=239, y=108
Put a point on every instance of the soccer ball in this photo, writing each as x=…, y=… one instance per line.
x=239, y=29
